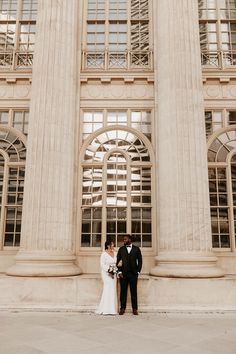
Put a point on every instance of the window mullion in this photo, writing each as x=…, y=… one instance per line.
x=129, y=118
x=10, y=117
x=150, y=24
x=18, y=23
x=4, y=203
x=81, y=114
x=128, y=26
x=85, y=27
x=219, y=35
x=225, y=117
x=231, y=207
x=107, y=27
x=105, y=118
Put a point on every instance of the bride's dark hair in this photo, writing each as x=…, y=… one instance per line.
x=108, y=243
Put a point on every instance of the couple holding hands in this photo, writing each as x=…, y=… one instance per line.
x=125, y=265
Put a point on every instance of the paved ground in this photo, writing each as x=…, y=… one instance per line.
x=72, y=333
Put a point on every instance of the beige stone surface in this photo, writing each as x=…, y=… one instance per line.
x=71, y=333
x=182, y=207
x=90, y=264
x=7, y=259
x=95, y=94
x=82, y=293
x=47, y=239
x=184, y=214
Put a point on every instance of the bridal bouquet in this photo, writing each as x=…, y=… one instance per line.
x=112, y=270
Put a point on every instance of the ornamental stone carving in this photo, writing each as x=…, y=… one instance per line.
x=100, y=91
x=219, y=91
x=15, y=91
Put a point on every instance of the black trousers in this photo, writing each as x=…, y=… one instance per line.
x=131, y=280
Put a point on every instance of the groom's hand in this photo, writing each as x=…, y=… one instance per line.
x=121, y=275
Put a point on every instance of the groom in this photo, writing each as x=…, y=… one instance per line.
x=129, y=263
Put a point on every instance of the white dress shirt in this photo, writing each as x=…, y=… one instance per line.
x=129, y=248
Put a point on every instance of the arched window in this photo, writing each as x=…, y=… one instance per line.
x=12, y=171
x=117, y=188
x=222, y=186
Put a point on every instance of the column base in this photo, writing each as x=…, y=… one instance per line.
x=41, y=264
x=187, y=266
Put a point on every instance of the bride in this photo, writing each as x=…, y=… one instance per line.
x=108, y=303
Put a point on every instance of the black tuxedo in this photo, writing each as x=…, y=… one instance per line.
x=131, y=266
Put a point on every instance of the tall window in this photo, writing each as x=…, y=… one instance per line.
x=116, y=196
x=12, y=170
x=17, y=33
x=222, y=187
x=117, y=35
x=218, y=32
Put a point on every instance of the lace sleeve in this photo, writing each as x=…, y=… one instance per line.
x=103, y=263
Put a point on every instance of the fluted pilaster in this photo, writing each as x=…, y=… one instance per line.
x=47, y=244
x=184, y=212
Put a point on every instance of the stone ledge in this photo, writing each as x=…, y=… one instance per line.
x=82, y=294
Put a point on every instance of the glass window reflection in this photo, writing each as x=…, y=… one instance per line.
x=119, y=187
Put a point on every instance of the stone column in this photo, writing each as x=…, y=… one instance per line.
x=184, y=235
x=47, y=244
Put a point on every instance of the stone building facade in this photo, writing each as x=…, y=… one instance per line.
x=117, y=117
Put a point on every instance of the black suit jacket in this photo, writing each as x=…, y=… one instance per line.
x=135, y=264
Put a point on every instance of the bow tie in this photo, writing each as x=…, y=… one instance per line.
x=128, y=246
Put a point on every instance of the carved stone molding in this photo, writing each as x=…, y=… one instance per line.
x=117, y=91
x=219, y=91
x=15, y=91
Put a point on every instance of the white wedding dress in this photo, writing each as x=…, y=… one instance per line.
x=108, y=303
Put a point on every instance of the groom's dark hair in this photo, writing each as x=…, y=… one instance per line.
x=129, y=237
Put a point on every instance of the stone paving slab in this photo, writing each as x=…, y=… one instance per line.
x=76, y=333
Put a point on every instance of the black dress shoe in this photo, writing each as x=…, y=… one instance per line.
x=122, y=311
x=135, y=312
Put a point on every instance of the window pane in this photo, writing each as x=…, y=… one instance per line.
x=107, y=184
